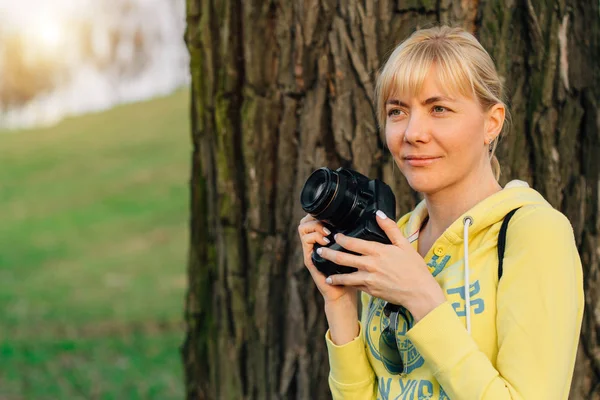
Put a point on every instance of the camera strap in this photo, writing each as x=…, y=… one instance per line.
x=502, y=240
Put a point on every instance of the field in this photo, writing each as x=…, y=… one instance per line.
x=93, y=247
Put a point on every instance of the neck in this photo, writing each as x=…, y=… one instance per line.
x=447, y=204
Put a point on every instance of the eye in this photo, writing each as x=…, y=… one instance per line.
x=394, y=112
x=439, y=109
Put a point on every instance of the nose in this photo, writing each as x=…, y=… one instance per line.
x=417, y=129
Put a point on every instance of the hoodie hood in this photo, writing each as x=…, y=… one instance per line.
x=490, y=211
x=486, y=213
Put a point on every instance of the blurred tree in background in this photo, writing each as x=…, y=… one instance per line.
x=281, y=88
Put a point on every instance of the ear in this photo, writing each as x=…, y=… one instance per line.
x=494, y=120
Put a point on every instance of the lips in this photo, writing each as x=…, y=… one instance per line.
x=420, y=160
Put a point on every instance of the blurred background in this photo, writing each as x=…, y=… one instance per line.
x=94, y=175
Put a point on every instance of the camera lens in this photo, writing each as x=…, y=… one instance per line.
x=332, y=196
x=318, y=191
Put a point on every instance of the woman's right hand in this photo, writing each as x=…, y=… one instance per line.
x=340, y=301
x=311, y=231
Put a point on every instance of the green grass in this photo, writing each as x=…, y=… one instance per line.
x=93, y=245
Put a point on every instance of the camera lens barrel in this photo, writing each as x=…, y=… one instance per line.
x=318, y=191
x=334, y=196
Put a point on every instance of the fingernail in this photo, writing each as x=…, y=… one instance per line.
x=335, y=236
x=327, y=231
x=319, y=251
x=381, y=214
x=326, y=240
x=329, y=280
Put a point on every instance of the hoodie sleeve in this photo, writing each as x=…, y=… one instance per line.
x=539, y=313
x=351, y=376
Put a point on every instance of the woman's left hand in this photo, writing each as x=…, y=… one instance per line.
x=396, y=273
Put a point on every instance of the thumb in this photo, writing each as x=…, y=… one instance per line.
x=391, y=229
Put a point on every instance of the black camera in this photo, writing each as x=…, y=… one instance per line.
x=346, y=201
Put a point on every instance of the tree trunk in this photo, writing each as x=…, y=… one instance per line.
x=280, y=88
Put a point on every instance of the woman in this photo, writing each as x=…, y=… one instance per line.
x=422, y=335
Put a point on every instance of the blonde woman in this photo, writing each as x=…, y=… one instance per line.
x=447, y=310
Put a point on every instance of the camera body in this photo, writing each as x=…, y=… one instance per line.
x=346, y=201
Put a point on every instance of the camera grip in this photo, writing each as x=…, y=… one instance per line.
x=327, y=267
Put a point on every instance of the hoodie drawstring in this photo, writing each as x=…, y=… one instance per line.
x=467, y=221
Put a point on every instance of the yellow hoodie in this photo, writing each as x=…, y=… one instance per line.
x=524, y=327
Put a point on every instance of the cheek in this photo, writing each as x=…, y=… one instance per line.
x=466, y=141
x=393, y=138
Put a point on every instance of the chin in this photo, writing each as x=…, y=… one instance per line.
x=424, y=182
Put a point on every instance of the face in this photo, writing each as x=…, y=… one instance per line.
x=440, y=139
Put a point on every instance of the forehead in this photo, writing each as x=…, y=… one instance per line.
x=433, y=82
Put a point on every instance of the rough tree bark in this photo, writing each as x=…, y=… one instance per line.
x=280, y=88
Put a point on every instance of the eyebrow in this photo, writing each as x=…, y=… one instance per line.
x=430, y=100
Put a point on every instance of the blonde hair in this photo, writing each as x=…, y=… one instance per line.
x=463, y=66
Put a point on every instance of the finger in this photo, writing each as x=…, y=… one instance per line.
x=342, y=258
x=310, y=266
x=391, y=230
x=357, y=245
x=307, y=254
x=357, y=279
x=307, y=246
x=307, y=218
x=315, y=237
x=312, y=226
x=317, y=276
